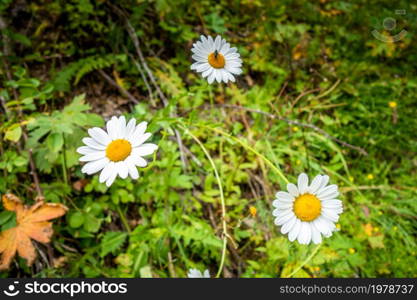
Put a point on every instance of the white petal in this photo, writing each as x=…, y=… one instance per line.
x=139, y=141
x=304, y=237
x=235, y=62
x=225, y=76
x=206, y=274
x=315, y=184
x=93, y=156
x=292, y=189
x=231, y=77
x=138, y=161
x=133, y=171
x=86, y=150
x=210, y=43
x=281, y=219
x=113, y=128
x=288, y=226
x=332, y=203
x=111, y=179
x=208, y=72
x=130, y=128
x=93, y=144
x=233, y=70
x=122, y=169
x=145, y=149
x=99, y=135
x=330, y=197
x=302, y=183
x=107, y=171
x=323, y=225
x=122, y=127
x=203, y=67
x=282, y=212
x=231, y=56
x=199, y=58
x=94, y=166
x=233, y=65
x=328, y=191
x=139, y=131
x=217, y=42
x=292, y=235
x=324, y=181
x=315, y=234
x=224, y=49
x=282, y=205
x=218, y=75
x=211, y=77
x=329, y=214
x=232, y=50
x=284, y=196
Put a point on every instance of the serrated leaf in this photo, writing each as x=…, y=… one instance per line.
x=112, y=241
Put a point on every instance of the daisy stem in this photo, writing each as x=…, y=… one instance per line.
x=223, y=203
x=247, y=147
x=306, y=261
x=123, y=218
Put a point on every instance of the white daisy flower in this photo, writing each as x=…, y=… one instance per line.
x=118, y=151
x=307, y=212
x=216, y=60
x=194, y=273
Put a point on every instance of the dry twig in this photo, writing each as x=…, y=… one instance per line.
x=119, y=87
x=132, y=34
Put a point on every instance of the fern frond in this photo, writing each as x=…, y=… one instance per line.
x=77, y=70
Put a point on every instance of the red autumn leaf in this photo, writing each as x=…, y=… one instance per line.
x=31, y=223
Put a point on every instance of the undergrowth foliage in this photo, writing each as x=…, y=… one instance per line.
x=318, y=94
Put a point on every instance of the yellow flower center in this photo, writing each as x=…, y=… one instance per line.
x=307, y=207
x=216, y=60
x=118, y=150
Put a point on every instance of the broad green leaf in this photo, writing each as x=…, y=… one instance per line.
x=13, y=133
x=55, y=141
x=76, y=219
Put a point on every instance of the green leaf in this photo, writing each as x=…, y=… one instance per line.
x=10, y=222
x=55, y=141
x=145, y=272
x=112, y=241
x=76, y=219
x=5, y=216
x=91, y=224
x=376, y=242
x=13, y=133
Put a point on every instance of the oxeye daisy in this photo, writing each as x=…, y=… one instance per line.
x=306, y=212
x=118, y=151
x=215, y=59
x=194, y=273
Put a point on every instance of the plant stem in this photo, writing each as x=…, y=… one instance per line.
x=223, y=203
x=64, y=161
x=123, y=218
x=246, y=146
x=306, y=261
